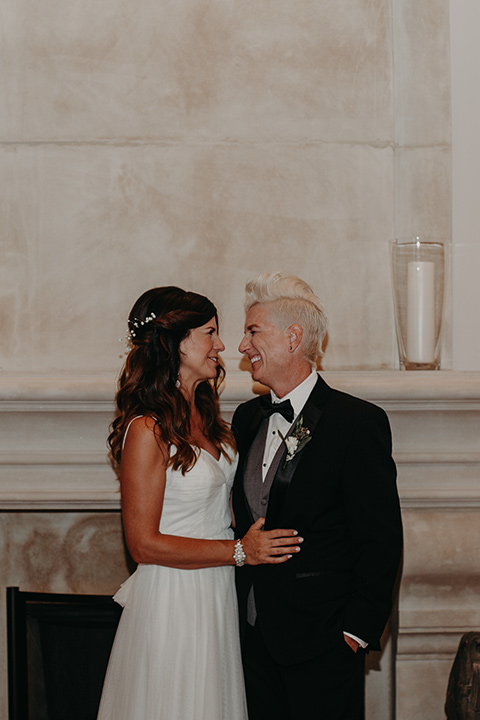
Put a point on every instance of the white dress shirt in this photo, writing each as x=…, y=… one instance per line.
x=278, y=427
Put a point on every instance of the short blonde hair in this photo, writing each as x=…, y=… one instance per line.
x=294, y=303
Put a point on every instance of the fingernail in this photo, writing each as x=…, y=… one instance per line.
x=297, y=549
x=300, y=539
x=295, y=532
x=289, y=556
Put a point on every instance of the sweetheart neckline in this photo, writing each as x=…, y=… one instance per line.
x=209, y=453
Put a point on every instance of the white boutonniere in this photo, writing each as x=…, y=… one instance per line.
x=297, y=439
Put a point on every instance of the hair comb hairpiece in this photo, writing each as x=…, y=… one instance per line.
x=137, y=323
x=134, y=325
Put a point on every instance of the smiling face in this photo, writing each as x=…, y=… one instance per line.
x=199, y=354
x=267, y=348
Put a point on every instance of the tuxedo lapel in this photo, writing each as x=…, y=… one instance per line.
x=311, y=412
x=250, y=434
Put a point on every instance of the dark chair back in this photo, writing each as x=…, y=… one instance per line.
x=58, y=650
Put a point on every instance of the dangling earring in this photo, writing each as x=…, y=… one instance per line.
x=177, y=382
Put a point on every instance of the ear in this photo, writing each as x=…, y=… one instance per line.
x=295, y=336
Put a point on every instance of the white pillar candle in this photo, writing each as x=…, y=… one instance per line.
x=421, y=312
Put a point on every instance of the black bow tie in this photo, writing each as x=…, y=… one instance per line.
x=284, y=408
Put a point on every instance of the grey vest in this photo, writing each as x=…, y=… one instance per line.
x=258, y=491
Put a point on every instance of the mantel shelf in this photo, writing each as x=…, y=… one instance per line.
x=387, y=385
x=53, y=452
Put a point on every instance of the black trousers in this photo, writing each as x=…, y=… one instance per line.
x=329, y=687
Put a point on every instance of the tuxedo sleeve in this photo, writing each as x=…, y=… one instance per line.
x=373, y=516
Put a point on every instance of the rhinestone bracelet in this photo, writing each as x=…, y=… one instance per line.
x=239, y=554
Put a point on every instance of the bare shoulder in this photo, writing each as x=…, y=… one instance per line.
x=141, y=424
x=142, y=436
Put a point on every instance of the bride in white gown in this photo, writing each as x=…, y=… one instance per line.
x=176, y=655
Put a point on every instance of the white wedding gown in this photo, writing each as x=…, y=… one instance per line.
x=176, y=654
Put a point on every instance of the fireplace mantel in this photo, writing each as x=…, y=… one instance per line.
x=53, y=451
x=53, y=457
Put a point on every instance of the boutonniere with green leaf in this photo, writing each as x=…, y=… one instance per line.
x=297, y=439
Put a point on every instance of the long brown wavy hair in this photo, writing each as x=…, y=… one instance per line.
x=158, y=322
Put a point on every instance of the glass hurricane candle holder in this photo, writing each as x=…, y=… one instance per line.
x=418, y=270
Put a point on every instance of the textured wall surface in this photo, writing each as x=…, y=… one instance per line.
x=199, y=142
x=465, y=92
x=63, y=552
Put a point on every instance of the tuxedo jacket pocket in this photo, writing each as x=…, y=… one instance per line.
x=309, y=574
x=323, y=573
x=316, y=587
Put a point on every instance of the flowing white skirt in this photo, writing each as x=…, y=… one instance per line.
x=176, y=653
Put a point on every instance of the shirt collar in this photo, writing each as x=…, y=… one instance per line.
x=300, y=394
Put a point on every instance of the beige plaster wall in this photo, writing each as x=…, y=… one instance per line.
x=199, y=142
x=464, y=21
x=63, y=552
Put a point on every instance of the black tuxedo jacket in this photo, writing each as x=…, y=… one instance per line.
x=339, y=492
